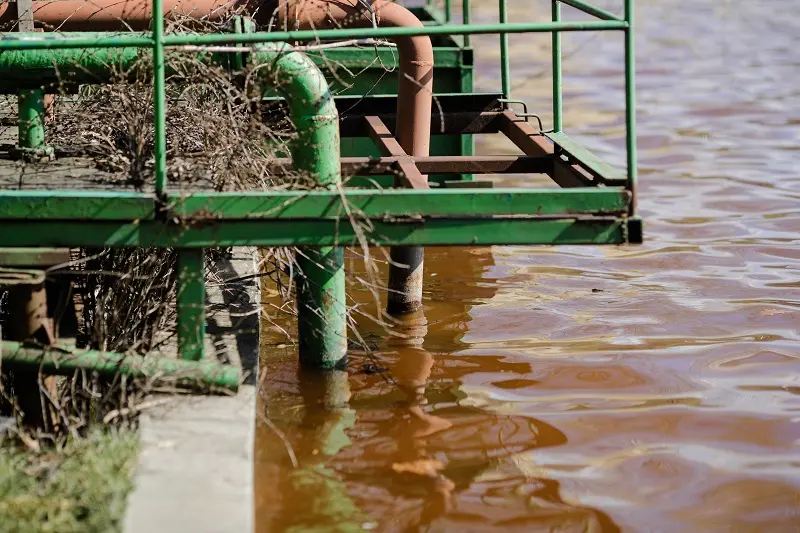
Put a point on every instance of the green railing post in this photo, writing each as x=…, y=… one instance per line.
x=630, y=101
x=466, y=13
x=322, y=313
x=30, y=119
x=191, y=301
x=558, y=123
x=505, y=64
x=448, y=10
x=159, y=98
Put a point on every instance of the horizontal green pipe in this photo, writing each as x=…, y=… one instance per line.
x=379, y=33
x=76, y=205
x=54, y=40
x=404, y=202
x=32, y=41
x=32, y=69
x=591, y=10
x=44, y=205
x=64, y=360
x=299, y=232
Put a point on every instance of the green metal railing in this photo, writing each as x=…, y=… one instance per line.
x=451, y=217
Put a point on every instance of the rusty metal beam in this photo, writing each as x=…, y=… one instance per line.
x=410, y=176
x=534, y=144
x=471, y=164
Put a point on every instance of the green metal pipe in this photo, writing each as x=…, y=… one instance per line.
x=505, y=61
x=64, y=359
x=33, y=41
x=630, y=103
x=33, y=69
x=191, y=301
x=55, y=40
x=30, y=118
x=466, y=14
x=558, y=88
x=322, y=314
x=159, y=98
x=448, y=10
x=590, y=9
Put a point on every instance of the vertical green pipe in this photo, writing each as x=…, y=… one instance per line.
x=630, y=102
x=322, y=313
x=30, y=118
x=467, y=18
x=448, y=10
x=191, y=300
x=505, y=66
x=558, y=88
x=159, y=98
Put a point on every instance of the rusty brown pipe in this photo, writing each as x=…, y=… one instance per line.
x=415, y=89
x=108, y=15
x=414, y=100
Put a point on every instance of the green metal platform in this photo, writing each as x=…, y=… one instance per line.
x=590, y=202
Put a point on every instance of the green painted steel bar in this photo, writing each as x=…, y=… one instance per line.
x=87, y=205
x=590, y=9
x=56, y=40
x=365, y=33
x=191, y=301
x=30, y=118
x=418, y=231
x=377, y=204
x=558, y=86
x=34, y=41
x=630, y=102
x=588, y=160
x=505, y=60
x=398, y=203
x=64, y=359
x=448, y=10
x=466, y=15
x=159, y=97
x=322, y=311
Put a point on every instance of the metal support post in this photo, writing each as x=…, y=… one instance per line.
x=630, y=102
x=191, y=300
x=558, y=120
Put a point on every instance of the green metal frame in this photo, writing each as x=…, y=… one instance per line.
x=583, y=215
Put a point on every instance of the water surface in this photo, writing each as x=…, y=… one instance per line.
x=642, y=388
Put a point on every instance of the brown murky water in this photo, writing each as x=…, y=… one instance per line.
x=649, y=388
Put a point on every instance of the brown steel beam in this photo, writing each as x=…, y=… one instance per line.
x=410, y=176
x=459, y=123
x=534, y=144
x=443, y=164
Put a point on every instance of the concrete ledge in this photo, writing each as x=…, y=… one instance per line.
x=195, y=470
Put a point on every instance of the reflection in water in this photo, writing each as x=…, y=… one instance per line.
x=574, y=388
x=399, y=452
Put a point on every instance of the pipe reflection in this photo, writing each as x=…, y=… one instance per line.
x=411, y=372
x=401, y=452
